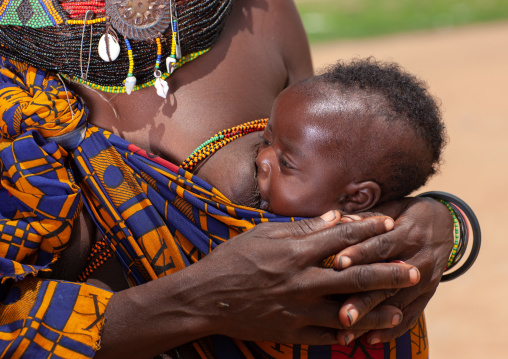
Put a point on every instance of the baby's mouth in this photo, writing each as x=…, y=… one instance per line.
x=254, y=197
x=264, y=205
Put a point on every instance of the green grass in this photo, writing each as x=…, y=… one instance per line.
x=344, y=19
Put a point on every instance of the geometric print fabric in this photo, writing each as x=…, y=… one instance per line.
x=155, y=216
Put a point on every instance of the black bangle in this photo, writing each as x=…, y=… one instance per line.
x=465, y=216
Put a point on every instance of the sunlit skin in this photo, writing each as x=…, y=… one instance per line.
x=299, y=164
x=324, y=150
x=303, y=164
x=318, y=152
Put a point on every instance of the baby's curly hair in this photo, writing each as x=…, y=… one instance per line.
x=397, y=97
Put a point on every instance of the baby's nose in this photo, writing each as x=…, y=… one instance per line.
x=263, y=163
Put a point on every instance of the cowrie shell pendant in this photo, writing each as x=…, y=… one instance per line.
x=160, y=85
x=114, y=48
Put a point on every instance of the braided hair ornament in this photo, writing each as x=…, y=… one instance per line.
x=111, y=45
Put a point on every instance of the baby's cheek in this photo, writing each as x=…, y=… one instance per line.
x=289, y=201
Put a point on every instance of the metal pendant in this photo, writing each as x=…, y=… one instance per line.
x=178, y=52
x=139, y=19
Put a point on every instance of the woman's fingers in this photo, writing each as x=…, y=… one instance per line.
x=362, y=278
x=357, y=305
x=385, y=317
x=375, y=249
x=412, y=315
x=334, y=239
x=297, y=228
x=422, y=226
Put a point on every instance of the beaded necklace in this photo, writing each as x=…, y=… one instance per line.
x=111, y=45
x=121, y=88
x=221, y=139
x=101, y=252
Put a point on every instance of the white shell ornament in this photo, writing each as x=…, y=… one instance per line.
x=162, y=87
x=114, y=48
x=130, y=82
x=170, y=64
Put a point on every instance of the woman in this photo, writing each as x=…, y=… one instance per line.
x=260, y=51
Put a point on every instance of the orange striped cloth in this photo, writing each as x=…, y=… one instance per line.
x=156, y=217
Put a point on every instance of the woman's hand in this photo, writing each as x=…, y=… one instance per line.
x=265, y=284
x=423, y=237
x=273, y=285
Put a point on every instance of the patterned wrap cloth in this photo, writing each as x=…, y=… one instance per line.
x=156, y=217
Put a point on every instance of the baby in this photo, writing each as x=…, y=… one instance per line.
x=357, y=135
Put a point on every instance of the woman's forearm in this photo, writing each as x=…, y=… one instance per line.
x=149, y=319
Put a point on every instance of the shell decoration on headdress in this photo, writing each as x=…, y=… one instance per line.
x=111, y=45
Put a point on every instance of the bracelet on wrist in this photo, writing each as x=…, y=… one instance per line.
x=465, y=225
x=456, y=235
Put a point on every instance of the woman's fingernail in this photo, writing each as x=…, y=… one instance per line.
x=397, y=261
x=397, y=318
x=329, y=216
x=344, y=262
x=413, y=275
x=389, y=224
x=373, y=341
x=354, y=217
x=353, y=315
x=349, y=338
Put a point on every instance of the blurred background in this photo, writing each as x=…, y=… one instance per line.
x=460, y=48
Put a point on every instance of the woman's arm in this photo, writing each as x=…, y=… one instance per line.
x=292, y=41
x=247, y=290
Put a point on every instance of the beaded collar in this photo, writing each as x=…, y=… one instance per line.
x=219, y=140
x=111, y=45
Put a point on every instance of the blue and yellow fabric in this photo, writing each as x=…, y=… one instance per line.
x=156, y=217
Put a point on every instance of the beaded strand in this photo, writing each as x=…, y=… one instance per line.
x=456, y=233
x=121, y=89
x=467, y=226
x=221, y=139
x=92, y=21
x=76, y=9
x=131, y=58
x=173, y=40
x=159, y=53
x=99, y=254
x=161, y=85
x=171, y=59
x=130, y=81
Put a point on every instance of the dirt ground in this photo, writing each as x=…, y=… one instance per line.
x=467, y=68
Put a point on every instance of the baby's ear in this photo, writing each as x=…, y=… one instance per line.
x=361, y=196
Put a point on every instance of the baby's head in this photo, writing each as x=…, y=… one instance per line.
x=361, y=133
